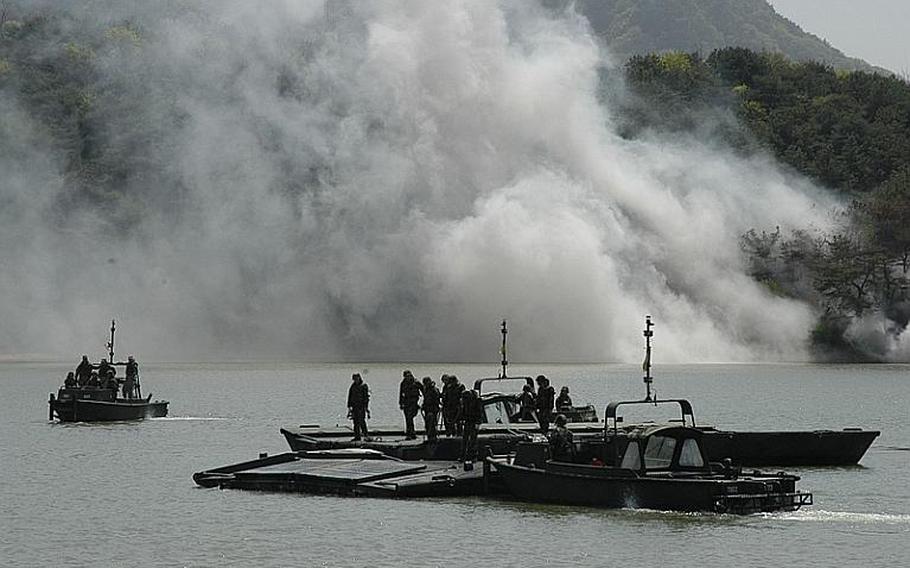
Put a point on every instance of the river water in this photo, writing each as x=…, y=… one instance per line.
x=122, y=494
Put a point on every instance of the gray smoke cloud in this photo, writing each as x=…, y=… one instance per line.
x=384, y=180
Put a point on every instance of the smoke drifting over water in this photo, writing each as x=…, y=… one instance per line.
x=386, y=180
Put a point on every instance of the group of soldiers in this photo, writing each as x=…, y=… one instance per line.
x=541, y=403
x=455, y=402
x=104, y=376
x=450, y=402
x=461, y=408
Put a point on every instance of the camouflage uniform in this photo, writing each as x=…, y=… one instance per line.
x=359, y=405
x=451, y=404
x=83, y=372
x=409, y=402
x=545, y=396
x=471, y=417
x=562, y=443
x=431, y=398
x=563, y=400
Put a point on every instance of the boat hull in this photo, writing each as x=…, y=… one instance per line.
x=797, y=448
x=754, y=449
x=615, y=489
x=76, y=409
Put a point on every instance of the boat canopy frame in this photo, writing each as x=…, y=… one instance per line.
x=612, y=419
x=478, y=384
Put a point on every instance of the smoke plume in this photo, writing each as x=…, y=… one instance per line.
x=382, y=180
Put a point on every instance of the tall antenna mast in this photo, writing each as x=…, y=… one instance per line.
x=110, y=345
x=646, y=366
x=502, y=350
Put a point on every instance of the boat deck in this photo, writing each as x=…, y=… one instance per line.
x=352, y=472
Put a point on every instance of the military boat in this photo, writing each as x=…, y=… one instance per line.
x=749, y=448
x=656, y=467
x=92, y=403
x=102, y=405
x=502, y=432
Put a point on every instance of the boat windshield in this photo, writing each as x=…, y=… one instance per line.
x=659, y=452
x=498, y=412
x=690, y=454
x=632, y=457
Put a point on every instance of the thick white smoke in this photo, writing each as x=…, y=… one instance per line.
x=387, y=180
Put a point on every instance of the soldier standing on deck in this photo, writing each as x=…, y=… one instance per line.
x=132, y=376
x=526, y=403
x=451, y=403
x=545, y=396
x=105, y=371
x=359, y=405
x=409, y=402
x=471, y=417
x=111, y=383
x=431, y=398
x=83, y=372
x=563, y=400
x=562, y=444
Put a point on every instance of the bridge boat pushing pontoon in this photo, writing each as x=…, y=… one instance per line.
x=657, y=467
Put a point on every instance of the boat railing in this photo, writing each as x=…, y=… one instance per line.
x=612, y=419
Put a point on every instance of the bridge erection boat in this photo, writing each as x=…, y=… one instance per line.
x=502, y=430
x=97, y=399
x=657, y=467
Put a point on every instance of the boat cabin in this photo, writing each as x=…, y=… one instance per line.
x=662, y=448
x=644, y=450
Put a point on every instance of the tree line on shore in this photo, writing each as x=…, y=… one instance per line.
x=847, y=131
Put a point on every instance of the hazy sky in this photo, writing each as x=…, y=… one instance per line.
x=875, y=30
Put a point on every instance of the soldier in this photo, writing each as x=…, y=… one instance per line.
x=409, y=402
x=471, y=417
x=111, y=384
x=132, y=377
x=563, y=400
x=451, y=403
x=83, y=372
x=526, y=403
x=105, y=370
x=545, y=396
x=359, y=405
x=562, y=444
x=70, y=382
x=431, y=398
x=94, y=381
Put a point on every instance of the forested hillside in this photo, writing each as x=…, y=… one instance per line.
x=637, y=27
x=80, y=86
x=846, y=130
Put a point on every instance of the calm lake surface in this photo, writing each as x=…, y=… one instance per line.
x=122, y=494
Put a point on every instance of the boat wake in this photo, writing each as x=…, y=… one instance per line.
x=842, y=517
x=188, y=418
x=893, y=449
